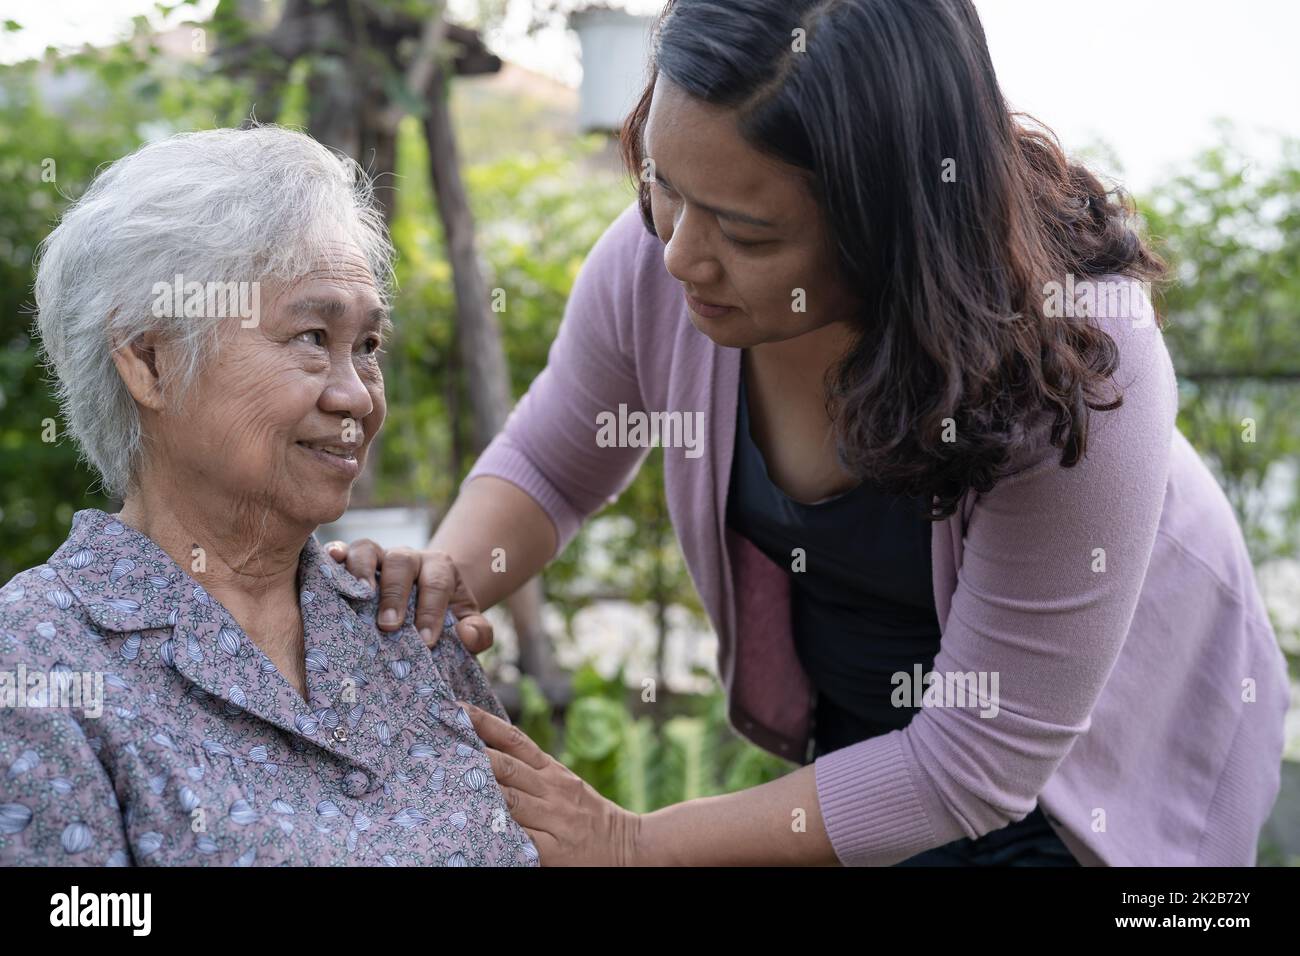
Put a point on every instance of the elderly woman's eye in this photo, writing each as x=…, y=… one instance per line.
x=312, y=336
x=373, y=345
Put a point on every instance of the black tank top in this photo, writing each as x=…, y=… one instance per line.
x=862, y=596
x=863, y=609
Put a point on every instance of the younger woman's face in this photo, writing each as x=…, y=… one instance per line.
x=742, y=231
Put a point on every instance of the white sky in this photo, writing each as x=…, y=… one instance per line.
x=1147, y=77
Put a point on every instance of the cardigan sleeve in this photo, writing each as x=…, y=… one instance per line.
x=1053, y=563
x=549, y=445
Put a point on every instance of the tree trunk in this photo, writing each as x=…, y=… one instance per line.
x=482, y=357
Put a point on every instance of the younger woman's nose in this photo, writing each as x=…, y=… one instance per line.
x=688, y=254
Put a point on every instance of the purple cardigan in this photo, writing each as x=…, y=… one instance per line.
x=1141, y=705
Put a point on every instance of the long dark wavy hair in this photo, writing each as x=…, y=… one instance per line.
x=886, y=96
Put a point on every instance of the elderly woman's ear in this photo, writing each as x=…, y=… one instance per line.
x=137, y=362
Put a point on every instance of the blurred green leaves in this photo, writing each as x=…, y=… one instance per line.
x=646, y=756
x=1231, y=229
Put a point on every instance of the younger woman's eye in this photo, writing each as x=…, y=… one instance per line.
x=741, y=242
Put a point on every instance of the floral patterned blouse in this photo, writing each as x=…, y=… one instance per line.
x=197, y=751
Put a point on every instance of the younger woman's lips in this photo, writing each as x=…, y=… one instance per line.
x=707, y=309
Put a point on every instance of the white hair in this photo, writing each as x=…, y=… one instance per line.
x=224, y=205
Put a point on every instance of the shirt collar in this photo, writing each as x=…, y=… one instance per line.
x=125, y=582
x=115, y=596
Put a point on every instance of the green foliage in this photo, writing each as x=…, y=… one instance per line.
x=1232, y=234
x=535, y=226
x=535, y=714
x=644, y=756
x=106, y=103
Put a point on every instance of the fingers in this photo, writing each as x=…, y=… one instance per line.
x=440, y=587
x=512, y=772
x=475, y=632
x=401, y=568
x=438, y=583
x=473, y=629
x=530, y=812
x=506, y=737
x=363, y=559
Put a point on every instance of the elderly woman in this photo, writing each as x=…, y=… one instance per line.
x=200, y=682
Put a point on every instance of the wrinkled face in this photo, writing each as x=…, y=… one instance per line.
x=742, y=231
x=281, y=420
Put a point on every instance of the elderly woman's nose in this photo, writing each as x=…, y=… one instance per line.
x=346, y=391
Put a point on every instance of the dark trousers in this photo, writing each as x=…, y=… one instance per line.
x=1027, y=842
